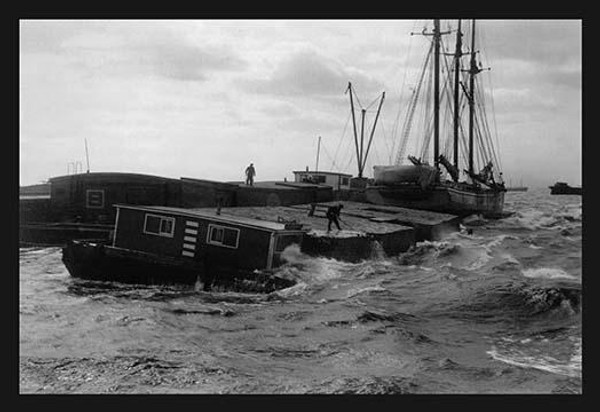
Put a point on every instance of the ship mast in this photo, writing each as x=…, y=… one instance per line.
x=361, y=155
x=349, y=89
x=436, y=93
x=437, y=36
x=472, y=72
x=457, y=56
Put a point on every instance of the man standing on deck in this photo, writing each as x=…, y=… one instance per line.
x=250, y=172
x=333, y=215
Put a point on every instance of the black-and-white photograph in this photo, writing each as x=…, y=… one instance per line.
x=300, y=206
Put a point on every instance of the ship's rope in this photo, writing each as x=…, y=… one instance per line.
x=342, y=139
x=483, y=42
x=403, y=88
x=408, y=121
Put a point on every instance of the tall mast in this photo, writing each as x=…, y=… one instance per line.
x=362, y=138
x=457, y=56
x=354, y=124
x=87, y=156
x=373, y=129
x=472, y=72
x=318, y=150
x=436, y=92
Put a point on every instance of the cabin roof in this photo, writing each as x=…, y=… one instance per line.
x=212, y=215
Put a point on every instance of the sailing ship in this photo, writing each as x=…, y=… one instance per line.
x=419, y=184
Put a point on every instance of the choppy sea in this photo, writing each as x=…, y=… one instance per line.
x=498, y=311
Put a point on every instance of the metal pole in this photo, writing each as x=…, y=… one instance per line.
x=87, y=157
x=354, y=124
x=362, y=138
x=318, y=150
x=373, y=130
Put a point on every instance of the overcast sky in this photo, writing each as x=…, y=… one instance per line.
x=203, y=98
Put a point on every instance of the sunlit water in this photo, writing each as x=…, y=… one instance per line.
x=498, y=311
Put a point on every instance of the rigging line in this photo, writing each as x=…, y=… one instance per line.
x=481, y=139
x=396, y=123
x=408, y=120
x=489, y=135
x=347, y=168
x=483, y=41
x=385, y=140
x=374, y=101
x=333, y=166
x=448, y=109
x=428, y=119
x=353, y=90
x=495, y=125
x=484, y=156
x=348, y=152
x=486, y=131
x=343, y=134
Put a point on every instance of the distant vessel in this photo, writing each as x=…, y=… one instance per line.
x=519, y=188
x=562, y=188
x=419, y=185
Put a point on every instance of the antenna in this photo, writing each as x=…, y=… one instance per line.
x=318, y=150
x=87, y=157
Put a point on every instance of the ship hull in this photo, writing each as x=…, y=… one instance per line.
x=98, y=261
x=457, y=200
x=566, y=191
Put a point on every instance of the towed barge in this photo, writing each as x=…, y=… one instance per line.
x=168, y=245
x=243, y=246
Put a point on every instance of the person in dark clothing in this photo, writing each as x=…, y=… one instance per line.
x=250, y=172
x=333, y=215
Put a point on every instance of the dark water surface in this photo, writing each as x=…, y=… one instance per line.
x=495, y=312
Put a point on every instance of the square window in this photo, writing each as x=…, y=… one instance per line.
x=223, y=236
x=94, y=199
x=153, y=224
x=159, y=225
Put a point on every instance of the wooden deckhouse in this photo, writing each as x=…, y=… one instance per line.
x=157, y=244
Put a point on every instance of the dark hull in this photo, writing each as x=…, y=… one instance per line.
x=566, y=190
x=457, y=200
x=60, y=233
x=97, y=261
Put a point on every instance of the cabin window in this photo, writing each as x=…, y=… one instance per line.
x=344, y=181
x=223, y=236
x=319, y=179
x=94, y=199
x=159, y=225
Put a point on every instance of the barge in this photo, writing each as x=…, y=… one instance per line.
x=168, y=245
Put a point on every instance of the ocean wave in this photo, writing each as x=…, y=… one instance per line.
x=513, y=300
x=365, y=289
x=523, y=357
x=547, y=273
x=544, y=218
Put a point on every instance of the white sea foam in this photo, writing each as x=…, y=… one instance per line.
x=571, y=368
x=297, y=289
x=547, y=273
x=357, y=291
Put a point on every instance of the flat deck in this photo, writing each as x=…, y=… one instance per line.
x=394, y=229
